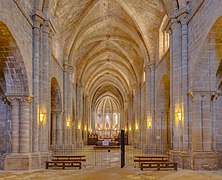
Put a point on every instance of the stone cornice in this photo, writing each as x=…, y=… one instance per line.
x=37, y=19
x=211, y=94
x=181, y=15
x=68, y=67
x=49, y=28
x=17, y=99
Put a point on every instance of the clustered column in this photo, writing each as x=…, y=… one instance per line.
x=184, y=81
x=14, y=124
x=20, y=119
x=37, y=22
x=175, y=83
x=45, y=81
x=24, y=125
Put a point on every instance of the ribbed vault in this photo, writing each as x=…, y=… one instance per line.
x=108, y=42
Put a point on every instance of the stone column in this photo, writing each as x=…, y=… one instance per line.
x=176, y=92
x=152, y=94
x=67, y=101
x=139, y=112
x=148, y=105
x=45, y=85
x=24, y=125
x=175, y=79
x=79, y=113
x=184, y=80
x=130, y=117
x=65, y=97
x=37, y=22
x=14, y=123
x=93, y=120
x=85, y=117
x=135, y=118
x=152, y=106
x=203, y=155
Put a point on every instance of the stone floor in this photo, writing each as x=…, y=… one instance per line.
x=112, y=173
x=103, y=165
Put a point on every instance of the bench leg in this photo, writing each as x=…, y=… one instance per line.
x=158, y=167
x=46, y=166
x=175, y=168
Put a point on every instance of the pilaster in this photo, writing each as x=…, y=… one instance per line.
x=37, y=23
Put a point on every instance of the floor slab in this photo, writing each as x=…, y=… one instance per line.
x=112, y=173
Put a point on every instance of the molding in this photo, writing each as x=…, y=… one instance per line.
x=29, y=20
x=195, y=11
x=56, y=62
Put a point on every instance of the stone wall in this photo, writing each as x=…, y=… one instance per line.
x=21, y=29
x=4, y=128
x=199, y=27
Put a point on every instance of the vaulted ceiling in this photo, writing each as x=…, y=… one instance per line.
x=109, y=41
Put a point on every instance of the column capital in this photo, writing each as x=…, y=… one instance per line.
x=172, y=25
x=37, y=19
x=12, y=100
x=79, y=85
x=68, y=67
x=151, y=65
x=25, y=100
x=48, y=28
x=203, y=95
x=182, y=16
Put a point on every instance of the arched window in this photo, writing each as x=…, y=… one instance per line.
x=164, y=39
x=107, y=121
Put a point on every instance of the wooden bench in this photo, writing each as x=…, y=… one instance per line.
x=69, y=158
x=63, y=164
x=66, y=161
x=142, y=159
x=106, y=147
x=159, y=165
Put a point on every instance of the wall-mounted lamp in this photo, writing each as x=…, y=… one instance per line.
x=179, y=116
x=149, y=124
x=68, y=124
x=79, y=127
x=130, y=129
x=41, y=117
x=137, y=126
x=85, y=128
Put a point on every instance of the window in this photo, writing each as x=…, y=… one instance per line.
x=164, y=39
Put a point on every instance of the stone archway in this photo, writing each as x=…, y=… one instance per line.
x=14, y=103
x=206, y=111
x=56, y=131
x=162, y=114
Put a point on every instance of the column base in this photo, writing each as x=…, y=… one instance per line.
x=24, y=161
x=79, y=144
x=17, y=162
x=183, y=158
x=205, y=161
x=35, y=160
x=195, y=160
x=2, y=160
x=44, y=156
